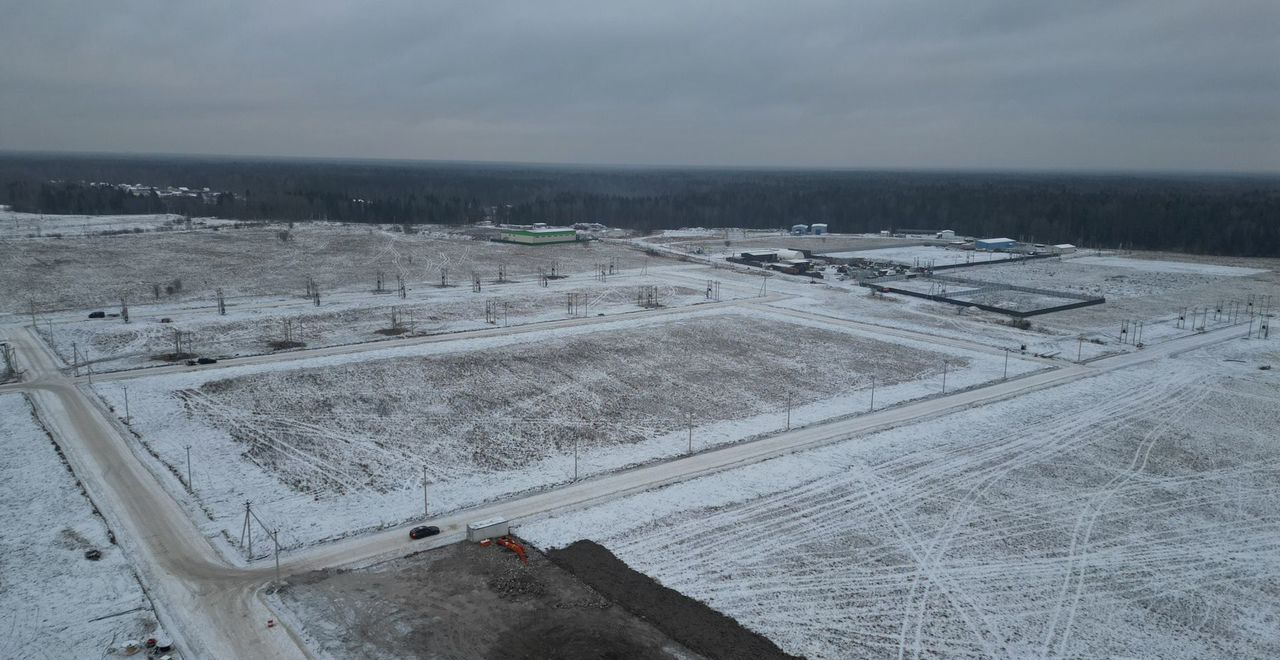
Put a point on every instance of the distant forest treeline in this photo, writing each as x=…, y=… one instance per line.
x=1230, y=215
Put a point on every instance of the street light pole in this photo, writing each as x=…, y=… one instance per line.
x=944, y=376
x=873, y=394
x=1006, y=364
x=426, y=509
x=126, y=404
x=190, y=486
x=788, y=411
x=575, y=457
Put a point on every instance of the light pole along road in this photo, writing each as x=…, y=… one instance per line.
x=213, y=607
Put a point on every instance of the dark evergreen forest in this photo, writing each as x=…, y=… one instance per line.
x=1228, y=215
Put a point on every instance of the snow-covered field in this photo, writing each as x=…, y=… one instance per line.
x=714, y=243
x=15, y=225
x=923, y=255
x=1155, y=299
x=1129, y=514
x=329, y=445
x=1157, y=266
x=1132, y=514
x=263, y=325
x=56, y=603
x=1115, y=277
x=78, y=272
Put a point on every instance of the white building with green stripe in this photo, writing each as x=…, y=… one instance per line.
x=539, y=235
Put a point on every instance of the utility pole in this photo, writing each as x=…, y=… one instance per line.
x=126, y=404
x=275, y=540
x=873, y=392
x=247, y=529
x=190, y=486
x=426, y=508
x=788, y=411
x=1006, y=365
x=1079, y=347
x=575, y=457
x=689, y=420
x=944, y=376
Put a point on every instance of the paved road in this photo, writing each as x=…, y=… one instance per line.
x=213, y=606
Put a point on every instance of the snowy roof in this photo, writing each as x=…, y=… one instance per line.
x=1064, y=245
x=996, y=240
x=539, y=230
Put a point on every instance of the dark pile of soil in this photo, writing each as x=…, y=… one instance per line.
x=466, y=601
x=687, y=621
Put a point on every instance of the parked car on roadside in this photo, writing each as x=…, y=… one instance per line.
x=423, y=532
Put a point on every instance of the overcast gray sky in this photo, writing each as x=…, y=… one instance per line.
x=1078, y=84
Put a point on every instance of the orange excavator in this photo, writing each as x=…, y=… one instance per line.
x=514, y=546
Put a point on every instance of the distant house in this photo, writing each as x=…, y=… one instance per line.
x=799, y=230
x=996, y=244
x=818, y=229
x=946, y=234
x=1063, y=248
x=539, y=235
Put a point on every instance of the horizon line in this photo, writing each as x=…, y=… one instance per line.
x=869, y=169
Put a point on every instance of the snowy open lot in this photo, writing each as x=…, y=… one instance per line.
x=1118, y=277
x=56, y=603
x=1133, y=514
x=78, y=272
x=1158, y=266
x=263, y=325
x=1133, y=294
x=1126, y=514
x=713, y=242
x=14, y=225
x=923, y=255
x=329, y=445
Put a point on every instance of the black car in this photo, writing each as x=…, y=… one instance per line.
x=423, y=531
x=206, y=361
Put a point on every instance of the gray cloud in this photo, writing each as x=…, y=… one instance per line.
x=1138, y=84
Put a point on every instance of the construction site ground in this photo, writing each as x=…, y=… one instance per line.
x=468, y=601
